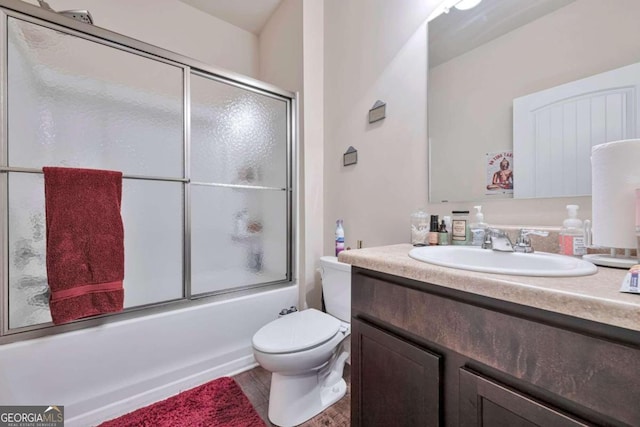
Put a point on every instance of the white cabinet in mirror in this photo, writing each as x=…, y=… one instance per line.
x=518, y=77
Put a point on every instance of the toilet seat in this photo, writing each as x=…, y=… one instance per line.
x=296, y=332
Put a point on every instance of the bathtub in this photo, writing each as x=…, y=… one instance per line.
x=102, y=372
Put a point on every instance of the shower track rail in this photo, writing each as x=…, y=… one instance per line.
x=4, y=169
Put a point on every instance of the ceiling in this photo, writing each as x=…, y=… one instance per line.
x=460, y=31
x=250, y=15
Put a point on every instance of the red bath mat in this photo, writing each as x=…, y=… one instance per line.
x=219, y=403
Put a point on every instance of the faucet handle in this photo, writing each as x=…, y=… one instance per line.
x=523, y=243
x=498, y=240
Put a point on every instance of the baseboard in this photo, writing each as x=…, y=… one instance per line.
x=110, y=405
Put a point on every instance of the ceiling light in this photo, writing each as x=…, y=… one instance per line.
x=448, y=4
x=466, y=4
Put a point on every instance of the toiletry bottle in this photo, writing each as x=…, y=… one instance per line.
x=572, y=234
x=443, y=235
x=241, y=222
x=255, y=255
x=460, y=228
x=447, y=224
x=433, y=230
x=419, y=228
x=478, y=228
x=339, y=237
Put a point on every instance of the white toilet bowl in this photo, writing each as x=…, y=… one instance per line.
x=305, y=351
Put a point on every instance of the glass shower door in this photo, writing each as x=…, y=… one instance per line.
x=207, y=192
x=239, y=187
x=77, y=103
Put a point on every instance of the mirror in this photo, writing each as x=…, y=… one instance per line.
x=501, y=54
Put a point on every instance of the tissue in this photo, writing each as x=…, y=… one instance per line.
x=615, y=175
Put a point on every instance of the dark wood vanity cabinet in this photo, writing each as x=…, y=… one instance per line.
x=426, y=355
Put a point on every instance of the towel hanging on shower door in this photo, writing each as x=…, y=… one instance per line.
x=85, y=242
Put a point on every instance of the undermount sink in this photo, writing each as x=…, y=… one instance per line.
x=514, y=263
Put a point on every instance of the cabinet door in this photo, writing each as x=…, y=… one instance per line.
x=484, y=402
x=394, y=383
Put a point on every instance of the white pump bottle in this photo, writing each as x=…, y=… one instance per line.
x=478, y=228
x=572, y=234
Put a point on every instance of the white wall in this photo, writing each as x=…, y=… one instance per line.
x=375, y=49
x=280, y=47
x=313, y=163
x=175, y=26
x=291, y=56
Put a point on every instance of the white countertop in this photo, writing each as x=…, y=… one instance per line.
x=596, y=297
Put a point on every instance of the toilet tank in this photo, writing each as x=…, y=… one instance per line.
x=336, y=287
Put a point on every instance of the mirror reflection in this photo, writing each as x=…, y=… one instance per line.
x=520, y=90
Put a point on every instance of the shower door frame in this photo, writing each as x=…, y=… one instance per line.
x=33, y=14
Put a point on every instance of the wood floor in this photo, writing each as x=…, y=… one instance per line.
x=256, y=383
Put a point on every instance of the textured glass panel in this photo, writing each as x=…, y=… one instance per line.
x=238, y=237
x=28, y=290
x=77, y=103
x=152, y=213
x=237, y=136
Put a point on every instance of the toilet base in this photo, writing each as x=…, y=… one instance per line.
x=294, y=400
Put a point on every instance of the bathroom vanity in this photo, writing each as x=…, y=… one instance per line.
x=437, y=346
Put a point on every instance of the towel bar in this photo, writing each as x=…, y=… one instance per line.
x=150, y=178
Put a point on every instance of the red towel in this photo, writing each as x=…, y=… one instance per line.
x=85, y=242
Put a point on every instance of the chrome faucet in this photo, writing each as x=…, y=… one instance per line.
x=523, y=243
x=497, y=240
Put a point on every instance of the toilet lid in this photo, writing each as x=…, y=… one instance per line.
x=296, y=331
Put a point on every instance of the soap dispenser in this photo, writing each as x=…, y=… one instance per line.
x=572, y=234
x=478, y=228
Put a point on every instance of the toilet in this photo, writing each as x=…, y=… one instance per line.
x=306, y=351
